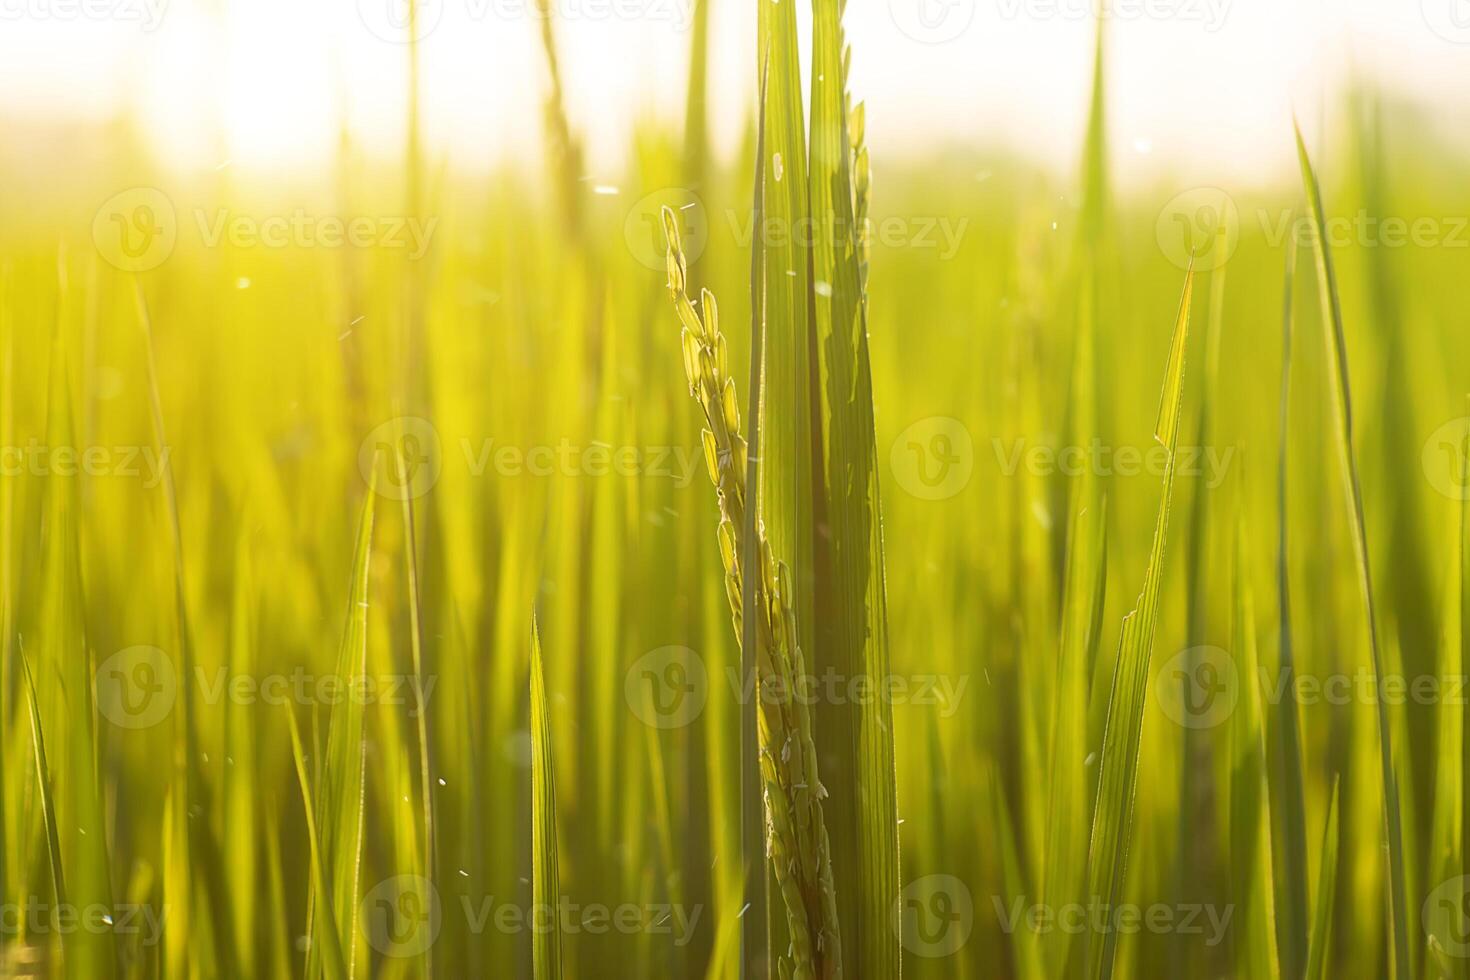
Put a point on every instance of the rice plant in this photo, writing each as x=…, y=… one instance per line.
x=364, y=612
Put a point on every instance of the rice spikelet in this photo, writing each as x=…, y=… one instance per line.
x=796, y=834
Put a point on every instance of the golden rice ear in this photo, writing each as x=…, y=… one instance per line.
x=796, y=838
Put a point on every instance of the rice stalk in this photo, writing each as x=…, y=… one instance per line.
x=201, y=844
x=421, y=709
x=796, y=832
x=850, y=627
x=1321, y=942
x=1289, y=817
x=43, y=779
x=325, y=944
x=1337, y=369
x=546, y=944
x=1250, y=859
x=1112, y=822
x=341, y=787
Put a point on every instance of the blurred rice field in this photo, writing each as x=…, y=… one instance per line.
x=292, y=471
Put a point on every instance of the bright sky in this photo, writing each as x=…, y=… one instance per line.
x=1199, y=88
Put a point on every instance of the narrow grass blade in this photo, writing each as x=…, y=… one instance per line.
x=203, y=855
x=696, y=112
x=1326, y=895
x=1025, y=941
x=546, y=945
x=65, y=685
x=1112, y=822
x=854, y=740
x=421, y=708
x=1337, y=369
x=341, y=795
x=1066, y=831
x=1446, y=858
x=788, y=463
x=1462, y=602
x=325, y=957
x=43, y=780
x=241, y=792
x=755, y=914
x=1253, y=881
x=1289, y=812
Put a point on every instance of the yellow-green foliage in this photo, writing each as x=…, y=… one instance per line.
x=264, y=696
